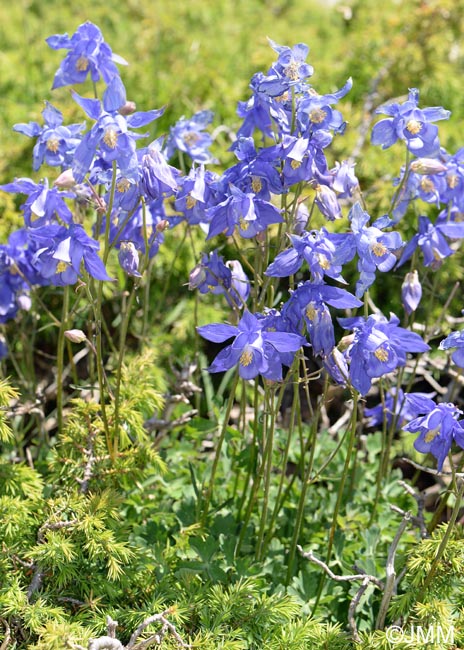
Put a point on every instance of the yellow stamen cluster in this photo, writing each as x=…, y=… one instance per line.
x=256, y=184
x=246, y=357
x=292, y=71
x=123, y=185
x=295, y=164
x=414, y=127
x=379, y=249
x=284, y=97
x=82, y=64
x=110, y=138
x=323, y=262
x=61, y=267
x=452, y=181
x=244, y=225
x=190, y=138
x=427, y=185
x=190, y=202
x=317, y=115
x=381, y=354
x=432, y=434
x=53, y=144
x=311, y=313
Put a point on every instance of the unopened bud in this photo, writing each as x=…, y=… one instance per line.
x=427, y=166
x=65, y=180
x=128, y=108
x=75, y=336
x=345, y=342
x=411, y=292
x=162, y=225
x=129, y=258
x=197, y=277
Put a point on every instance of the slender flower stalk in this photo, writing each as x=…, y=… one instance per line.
x=224, y=423
x=60, y=359
x=341, y=487
x=268, y=441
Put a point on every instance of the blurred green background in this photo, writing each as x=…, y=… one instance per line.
x=198, y=54
x=195, y=54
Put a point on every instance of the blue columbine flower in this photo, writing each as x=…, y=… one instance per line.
x=61, y=251
x=260, y=112
x=194, y=195
x=190, y=137
x=213, y=275
x=438, y=428
x=130, y=228
x=88, y=54
x=325, y=254
x=254, y=349
x=256, y=171
x=379, y=346
x=111, y=134
x=431, y=239
x=314, y=111
x=250, y=214
x=345, y=182
x=376, y=249
x=15, y=274
x=411, y=124
x=308, y=305
x=56, y=143
x=398, y=405
x=158, y=178
x=289, y=70
x=454, y=340
x=44, y=205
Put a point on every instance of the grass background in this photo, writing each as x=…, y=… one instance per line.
x=189, y=55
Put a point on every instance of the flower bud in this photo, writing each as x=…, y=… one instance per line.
x=129, y=258
x=24, y=301
x=65, y=180
x=301, y=219
x=411, y=292
x=128, y=108
x=240, y=282
x=197, y=277
x=75, y=336
x=162, y=225
x=427, y=166
x=326, y=201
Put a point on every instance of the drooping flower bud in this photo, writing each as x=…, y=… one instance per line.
x=301, y=219
x=128, y=108
x=65, y=180
x=427, y=166
x=326, y=201
x=129, y=258
x=75, y=336
x=411, y=292
x=240, y=282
